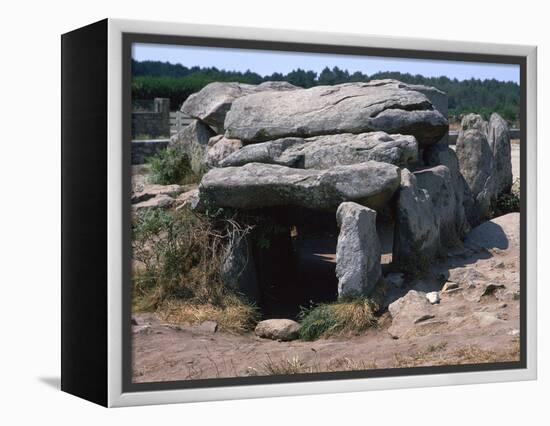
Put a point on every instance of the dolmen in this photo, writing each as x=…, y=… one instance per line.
x=354, y=150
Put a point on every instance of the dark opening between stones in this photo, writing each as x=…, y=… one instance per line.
x=385, y=224
x=295, y=256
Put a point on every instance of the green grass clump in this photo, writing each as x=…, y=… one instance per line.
x=347, y=316
x=172, y=165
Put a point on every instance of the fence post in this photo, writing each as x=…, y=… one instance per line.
x=162, y=106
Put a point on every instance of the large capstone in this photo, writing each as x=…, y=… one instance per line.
x=324, y=152
x=438, y=98
x=358, y=250
x=256, y=185
x=193, y=139
x=344, y=108
x=416, y=236
x=212, y=102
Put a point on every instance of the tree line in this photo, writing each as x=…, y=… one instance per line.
x=162, y=79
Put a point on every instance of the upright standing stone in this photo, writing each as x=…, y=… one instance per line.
x=358, y=250
x=499, y=142
x=474, y=153
x=475, y=159
x=416, y=236
x=441, y=155
x=438, y=182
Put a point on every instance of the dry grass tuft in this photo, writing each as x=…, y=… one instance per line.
x=348, y=364
x=285, y=366
x=295, y=365
x=235, y=316
x=177, y=263
x=346, y=317
x=474, y=354
x=435, y=355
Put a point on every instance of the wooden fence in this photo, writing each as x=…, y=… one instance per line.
x=178, y=121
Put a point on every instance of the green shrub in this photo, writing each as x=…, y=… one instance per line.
x=351, y=316
x=172, y=165
x=508, y=203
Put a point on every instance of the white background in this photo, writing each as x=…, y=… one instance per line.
x=30, y=210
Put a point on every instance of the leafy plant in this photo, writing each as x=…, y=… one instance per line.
x=507, y=203
x=171, y=165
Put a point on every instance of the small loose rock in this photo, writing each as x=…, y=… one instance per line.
x=490, y=288
x=278, y=329
x=208, y=327
x=424, y=318
x=433, y=297
x=141, y=329
x=449, y=285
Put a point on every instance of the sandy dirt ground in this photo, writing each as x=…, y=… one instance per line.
x=476, y=321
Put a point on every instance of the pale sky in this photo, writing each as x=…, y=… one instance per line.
x=267, y=62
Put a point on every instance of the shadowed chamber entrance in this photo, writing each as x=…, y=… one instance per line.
x=295, y=256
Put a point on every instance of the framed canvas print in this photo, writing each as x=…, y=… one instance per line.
x=251, y=212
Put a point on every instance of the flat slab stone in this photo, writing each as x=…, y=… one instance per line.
x=161, y=201
x=256, y=185
x=151, y=191
x=343, y=108
x=323, y=152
